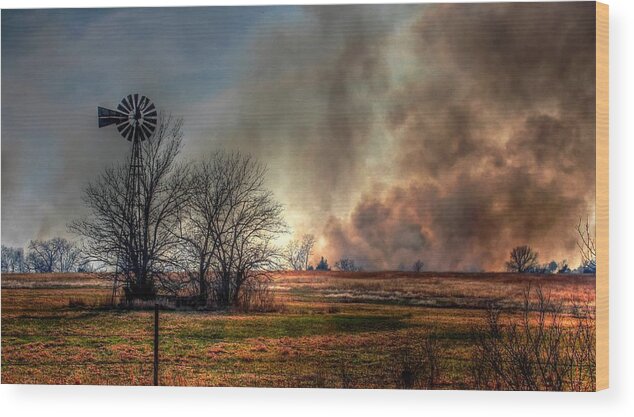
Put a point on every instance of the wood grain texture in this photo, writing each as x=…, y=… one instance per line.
x=602, y=193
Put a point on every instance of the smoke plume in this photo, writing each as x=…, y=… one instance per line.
x=493, y=141
x=449, y=133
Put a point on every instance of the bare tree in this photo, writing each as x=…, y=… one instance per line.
x=227, y=229
x=67, y=255
x=140, y=251
x=307, y=246
x=12, y=259
x=246, y=228
x=291, y=255
x=523, y=259
x=418, y=266
x=42, y=256
x=298, y=253
x=587, y=247
x=198, y=220
x=347, y=265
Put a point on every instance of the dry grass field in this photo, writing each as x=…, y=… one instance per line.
x=347, y=330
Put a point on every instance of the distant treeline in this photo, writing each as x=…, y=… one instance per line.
x=61, y=255
x=53, y=255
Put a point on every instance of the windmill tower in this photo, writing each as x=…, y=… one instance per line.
x=136, y=120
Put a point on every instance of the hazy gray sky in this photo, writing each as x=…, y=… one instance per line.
x=448, y=132
x=59, y=65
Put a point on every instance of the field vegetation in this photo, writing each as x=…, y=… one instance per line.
x=318, y=329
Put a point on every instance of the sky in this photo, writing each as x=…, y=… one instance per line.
x=447, y=133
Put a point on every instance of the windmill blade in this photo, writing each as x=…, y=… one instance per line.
x=127, y=104
x=125, y=130
x=131, y=133
x=124, y=106
x=107, y=117
x=147, y=132
x=144, y=103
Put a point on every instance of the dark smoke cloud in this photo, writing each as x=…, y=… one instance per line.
x=494, y=141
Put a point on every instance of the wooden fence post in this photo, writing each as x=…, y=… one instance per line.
x=156, y=344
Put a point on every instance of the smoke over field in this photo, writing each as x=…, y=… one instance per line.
x=445, y=132
x=455, y=132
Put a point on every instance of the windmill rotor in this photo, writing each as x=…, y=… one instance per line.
x=135, y=117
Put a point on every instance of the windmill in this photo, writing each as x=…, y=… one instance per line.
x=136, y=120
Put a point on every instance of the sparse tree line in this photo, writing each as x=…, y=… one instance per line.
x=298, y=252
x=524, y=259
x=45, y=256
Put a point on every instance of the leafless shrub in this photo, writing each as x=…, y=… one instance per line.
x=587, y=247
x=77, y=303
x=257, y=296
x=345, y=374
x=409, y=369
x=319, y=378
x=418, y=364
x=333, y=309
x=418, y=266
x=347, y=265
x=100, y=302
x=138, y=304
x=546, y=349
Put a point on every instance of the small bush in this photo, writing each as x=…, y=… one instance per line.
x=332, y=309
x=256, y=296
x=99, y=302
x=417, y=365
x=77, y=303
x=347, y=265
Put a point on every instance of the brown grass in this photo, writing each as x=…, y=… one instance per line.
x=335, y=330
